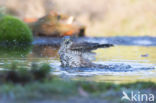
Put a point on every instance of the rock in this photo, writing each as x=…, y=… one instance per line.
x=56, y=25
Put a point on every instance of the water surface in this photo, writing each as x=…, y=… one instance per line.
x=134, y=58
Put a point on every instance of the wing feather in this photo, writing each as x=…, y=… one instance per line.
x=85, y=46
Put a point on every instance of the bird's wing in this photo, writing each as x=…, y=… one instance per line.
x=85, y=46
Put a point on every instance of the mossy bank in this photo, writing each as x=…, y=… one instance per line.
x=14, y=31
x=35, y=82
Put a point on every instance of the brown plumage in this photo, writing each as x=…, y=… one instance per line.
x=77, y=55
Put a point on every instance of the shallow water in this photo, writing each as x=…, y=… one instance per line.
x=131, y=59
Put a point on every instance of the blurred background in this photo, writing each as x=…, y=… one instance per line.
x=32, y=72
x=101, y=17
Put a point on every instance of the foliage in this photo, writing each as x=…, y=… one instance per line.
x=40, y=72
x=25, y=81
x=14, y=31
x=17, y=73
x=56, y=88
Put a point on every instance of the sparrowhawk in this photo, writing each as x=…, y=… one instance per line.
x=75, y=55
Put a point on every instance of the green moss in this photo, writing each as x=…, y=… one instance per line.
x=57, y=88
x=36, y=82
x=20, y=73
x=14, y=31
x=41, y=71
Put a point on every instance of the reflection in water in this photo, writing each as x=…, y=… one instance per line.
x=117, y=54
x=15, y=51
x=127, y=53
x=45, y=51
x=120, y=78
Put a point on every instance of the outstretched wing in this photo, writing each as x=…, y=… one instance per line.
x=85, y=46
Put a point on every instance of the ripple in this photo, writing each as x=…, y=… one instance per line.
x=114, y=68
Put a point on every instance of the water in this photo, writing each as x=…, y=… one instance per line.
x=131, y=59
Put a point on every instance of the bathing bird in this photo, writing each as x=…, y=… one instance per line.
x=78, y=55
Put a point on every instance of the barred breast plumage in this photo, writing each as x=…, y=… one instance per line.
x=75, y=55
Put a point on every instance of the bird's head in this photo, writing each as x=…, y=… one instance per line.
x=67, y=42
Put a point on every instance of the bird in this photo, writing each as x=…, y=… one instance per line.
x=78, y=55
